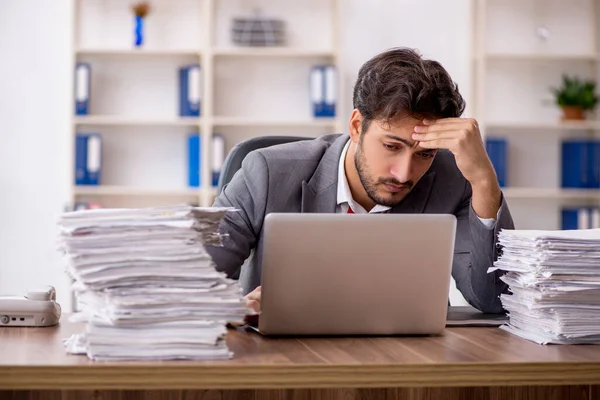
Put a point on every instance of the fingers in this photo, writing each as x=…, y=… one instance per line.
x=438, y=144
x=450, y=121
x=467, y=124
x=255, y=294
x=446, y=134
x=253, y=305
x=252, y=299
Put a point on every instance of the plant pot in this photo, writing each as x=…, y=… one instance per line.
x=572, y=113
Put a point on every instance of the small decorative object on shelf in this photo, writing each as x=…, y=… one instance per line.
x=140, y=11
x=258, y=31
x=575, y=97
x=543, y=33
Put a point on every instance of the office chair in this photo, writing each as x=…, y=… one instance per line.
x=233, y=161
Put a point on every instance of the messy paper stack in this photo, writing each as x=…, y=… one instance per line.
x=554, y=282
x=145, y=285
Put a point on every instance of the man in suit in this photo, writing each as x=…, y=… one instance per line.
x=407, y=151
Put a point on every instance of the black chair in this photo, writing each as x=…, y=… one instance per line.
x=233, y=161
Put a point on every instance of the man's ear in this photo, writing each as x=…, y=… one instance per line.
x=355, y=125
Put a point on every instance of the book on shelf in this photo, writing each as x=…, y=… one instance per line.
x=195, y=158
x=88, y=158
x=498, y=154
x=580, y=159
x=190, y=89
x=323, y=90
x=82, y=87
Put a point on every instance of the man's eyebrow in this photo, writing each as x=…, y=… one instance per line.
x=409, y=143
x=399, y=139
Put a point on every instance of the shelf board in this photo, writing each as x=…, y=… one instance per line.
x=138, y=52
x=271, y=52
x=571, y=125
x=552, y=193
x=308, y=123
x=106, y=190
x=107, y=120
x=539, y=57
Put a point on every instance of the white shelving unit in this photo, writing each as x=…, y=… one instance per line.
x=245, y=91
x=106, y=190
x=520, y=50
x=110, y=120
x=538, y=193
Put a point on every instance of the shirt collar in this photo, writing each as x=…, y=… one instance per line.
x=344, y=196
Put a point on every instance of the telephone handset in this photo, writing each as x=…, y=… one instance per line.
x=37, y=308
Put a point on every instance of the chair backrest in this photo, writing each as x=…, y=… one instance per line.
x=233, y=161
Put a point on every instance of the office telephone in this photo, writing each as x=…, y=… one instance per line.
x=37, y=308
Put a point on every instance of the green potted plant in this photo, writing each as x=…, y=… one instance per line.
x=575, y=97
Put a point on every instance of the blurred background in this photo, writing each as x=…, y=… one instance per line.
x=118, y=103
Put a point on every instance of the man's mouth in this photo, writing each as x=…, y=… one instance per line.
x=396, y=188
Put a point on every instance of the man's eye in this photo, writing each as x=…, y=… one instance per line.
x=426, y=155
x=390, y=146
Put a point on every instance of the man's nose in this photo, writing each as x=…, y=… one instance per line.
x=402, y=168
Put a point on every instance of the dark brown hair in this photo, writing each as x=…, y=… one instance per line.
x=399, y=82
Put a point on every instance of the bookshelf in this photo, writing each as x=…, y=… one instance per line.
x=245, y=91
x=540, y=193
x=111, y=120
x=520, y=50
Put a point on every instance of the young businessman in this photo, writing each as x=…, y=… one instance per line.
x=408, y=151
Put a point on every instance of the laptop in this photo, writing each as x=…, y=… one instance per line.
x=356, y=274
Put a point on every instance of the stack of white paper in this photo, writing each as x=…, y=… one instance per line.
x=145, y=284
x=554, y=278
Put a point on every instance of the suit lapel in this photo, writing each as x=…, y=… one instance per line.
x=319, y=194
x=417, y=199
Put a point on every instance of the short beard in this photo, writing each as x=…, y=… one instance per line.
x=370, y=185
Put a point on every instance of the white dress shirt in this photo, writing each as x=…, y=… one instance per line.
x=345, y=200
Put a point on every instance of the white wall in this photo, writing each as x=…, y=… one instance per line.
x=34, y=116
x=37, y=110
x=440, y=29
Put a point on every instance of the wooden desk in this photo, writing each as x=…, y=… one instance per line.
x=465, y=363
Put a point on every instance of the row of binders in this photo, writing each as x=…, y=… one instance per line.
x=88, y=159
x=322, y=90
x=581, y=218
x=580, y=162
x=217, y=153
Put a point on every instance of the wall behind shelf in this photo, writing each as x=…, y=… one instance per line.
x=511, y=26
x=39, y=44
x=109, y=24
x=136, y=87
x=273, y=90
x=150, y=157
x=297, y=15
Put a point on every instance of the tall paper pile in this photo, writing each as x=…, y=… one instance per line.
x=554, y=278
x=146, y=287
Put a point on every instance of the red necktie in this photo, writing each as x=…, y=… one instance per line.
x=350, y=210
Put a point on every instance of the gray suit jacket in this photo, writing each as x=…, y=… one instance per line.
x=302, y=177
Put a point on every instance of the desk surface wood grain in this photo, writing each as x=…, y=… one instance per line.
x=34, y=358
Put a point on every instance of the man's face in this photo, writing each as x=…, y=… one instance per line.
x=389, y=162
